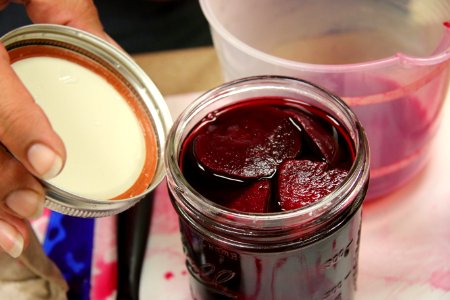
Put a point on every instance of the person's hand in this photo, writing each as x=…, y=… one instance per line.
x=29, y=147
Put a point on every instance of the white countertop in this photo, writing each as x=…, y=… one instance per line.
x=404, y=250
x=405, y=239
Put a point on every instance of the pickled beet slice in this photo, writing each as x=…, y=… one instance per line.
x=249, y=142
x=253, y=198
x=302, y=182
x=324, y=138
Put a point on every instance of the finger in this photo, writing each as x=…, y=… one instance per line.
x=11, y=241
x=81, y=14
x=14, y=234
x=21, y=195
x=24, y=129
x=14, y=230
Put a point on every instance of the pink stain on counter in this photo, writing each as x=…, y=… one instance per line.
x=164, y=217
x=104, y=262
x=441, y=280
x=166, y=251
x=168, y=275
x=40, y=225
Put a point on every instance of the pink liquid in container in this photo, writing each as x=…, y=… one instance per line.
x=389, y=60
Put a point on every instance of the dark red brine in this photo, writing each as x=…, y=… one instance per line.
x=267, y=175
x=266, y=155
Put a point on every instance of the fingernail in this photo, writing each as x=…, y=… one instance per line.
x=45, y=161
x=26, y=203
x=10, y=240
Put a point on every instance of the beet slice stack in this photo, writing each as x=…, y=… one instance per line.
x=247, y=146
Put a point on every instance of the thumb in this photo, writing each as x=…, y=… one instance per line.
x=24, y=129
x=81, y=14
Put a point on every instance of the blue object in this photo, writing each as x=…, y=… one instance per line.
x=69, y=243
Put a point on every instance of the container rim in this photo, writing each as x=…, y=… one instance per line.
x=436, y=58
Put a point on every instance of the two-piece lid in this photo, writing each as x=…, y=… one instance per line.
x=119, y=70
